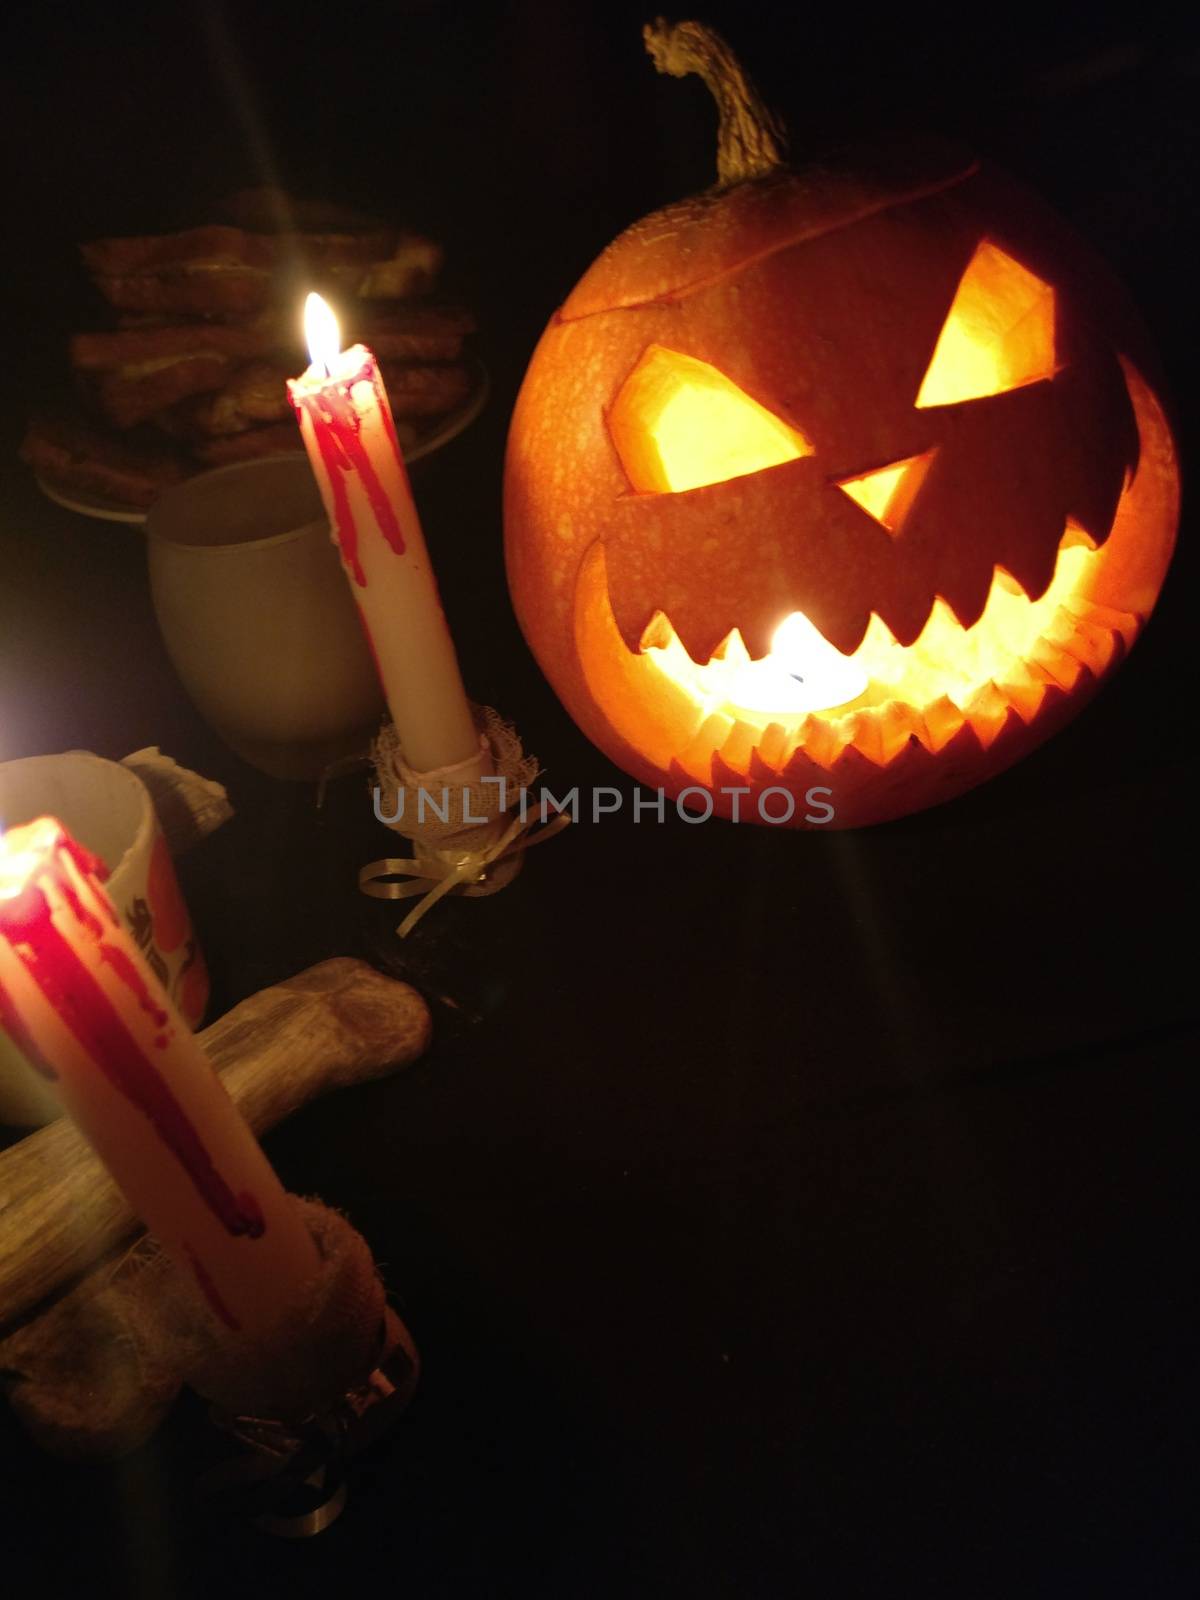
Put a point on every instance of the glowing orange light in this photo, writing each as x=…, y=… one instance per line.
x=672, y=708
x=680, y=424
x=888, y=493
x=998, y=335
x=803, y=672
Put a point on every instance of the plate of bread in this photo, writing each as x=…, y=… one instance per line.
x=203, y=330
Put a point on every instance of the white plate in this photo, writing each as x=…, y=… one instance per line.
x=91, y=505
x=441, y=431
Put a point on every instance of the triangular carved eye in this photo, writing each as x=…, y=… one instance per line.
x=889, y=492
x=679, y=424
x=998, y=334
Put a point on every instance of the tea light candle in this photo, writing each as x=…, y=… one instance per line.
x=86, y=1011
x=348, y=432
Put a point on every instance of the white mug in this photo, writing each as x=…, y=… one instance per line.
x=258, y=619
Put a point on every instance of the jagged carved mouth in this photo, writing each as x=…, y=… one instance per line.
x=806, y=695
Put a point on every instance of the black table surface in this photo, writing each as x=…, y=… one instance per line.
x=771, y=1209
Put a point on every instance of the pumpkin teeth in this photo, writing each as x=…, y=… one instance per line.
x=899, y=724
x=696, y=757
x=987, y=711
x=942, y=720
x=772, y=746
x=1076, y=533
x=1003, y=664
x=732, y=650
x=1024, y=692
x=659, y=634
x=1063, y=669
x=866, y=735
x=740, y=746
x=818, y=738
x=1123, y=622
x=1092, y=646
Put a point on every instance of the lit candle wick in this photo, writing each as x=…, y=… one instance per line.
x=321, y=333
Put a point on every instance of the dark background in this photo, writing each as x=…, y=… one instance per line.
x=796, y=1211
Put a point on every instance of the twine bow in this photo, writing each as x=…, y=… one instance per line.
x=439, y=872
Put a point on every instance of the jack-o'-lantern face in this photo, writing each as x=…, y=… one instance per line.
x=848, y=483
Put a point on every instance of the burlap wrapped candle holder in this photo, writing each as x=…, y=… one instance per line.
x=322, y=1347
x=111, y=1357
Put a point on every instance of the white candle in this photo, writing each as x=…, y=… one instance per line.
x=85, y=1009
x=346, y=424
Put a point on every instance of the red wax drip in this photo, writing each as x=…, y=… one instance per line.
x=129, y=975
x=337, y=428
x=87, y=1011
x=211, y=1293
x=343, y=516
x=90, y=865
x=82, y=914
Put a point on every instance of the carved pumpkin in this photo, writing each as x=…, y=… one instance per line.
x=851, y=479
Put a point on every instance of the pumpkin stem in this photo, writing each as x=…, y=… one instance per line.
x=751, y=141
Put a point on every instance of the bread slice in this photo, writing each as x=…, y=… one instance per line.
x=126, y=349
x=137, y=393
x=74, y=454
x=411, y=269
x=257, y=393
x=322, y=232
x=193, y=289
x=410, y=332
x=425, y=391
x=224, y=271
x=275, y=439
x=208, y=331
x=215, y=246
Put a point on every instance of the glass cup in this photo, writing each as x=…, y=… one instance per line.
x=258, y=618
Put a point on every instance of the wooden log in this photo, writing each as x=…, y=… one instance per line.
x=339, y=1023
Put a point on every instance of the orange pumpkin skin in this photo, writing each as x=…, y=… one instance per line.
x=822, y=296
